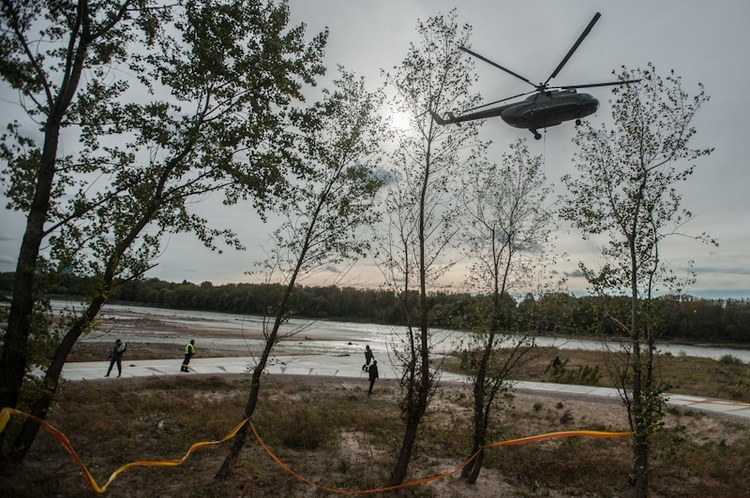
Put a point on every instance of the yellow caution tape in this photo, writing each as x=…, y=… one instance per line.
x=558, y=435
x=4, y=417
x=7, y=412
x=531, y=439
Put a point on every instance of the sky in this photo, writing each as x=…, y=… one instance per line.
x=703, y=42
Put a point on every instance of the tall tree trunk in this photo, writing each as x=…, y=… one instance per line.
x=15, y=347
x=641, y=452
x=640, y=444
x=230, y=461
x=27, y=435
x=479, y=428
x=477, y=467
x=481, y=408
x=404, y=455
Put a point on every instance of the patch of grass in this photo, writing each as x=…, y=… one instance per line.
x=303, y=428
x=685, y=374
x=694, y=468
x=571, y=466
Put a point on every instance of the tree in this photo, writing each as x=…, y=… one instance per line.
x=325, y=210
x=79, y=39
x=230, y=138
x=420, y=206
x=506, y=234
x=627, y=191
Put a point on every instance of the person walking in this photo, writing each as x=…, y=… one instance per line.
x=373, y=371
x=115, y=357
x=368, y=358
x=189, y=352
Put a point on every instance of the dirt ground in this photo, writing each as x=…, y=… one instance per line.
x=535, y=409
x=531, y=412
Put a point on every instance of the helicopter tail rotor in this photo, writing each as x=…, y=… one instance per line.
x=438, y=119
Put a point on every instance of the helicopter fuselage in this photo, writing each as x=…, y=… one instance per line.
x=538, y=111
x=546, y=109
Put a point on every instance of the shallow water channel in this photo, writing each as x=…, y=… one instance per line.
x=160, y=325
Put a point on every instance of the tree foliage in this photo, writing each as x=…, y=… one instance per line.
x=206, y=109
x=57, y=56
x=420, y=208
x=628, y=191
x=506, y=235
x=325, y=209
x=509, y=224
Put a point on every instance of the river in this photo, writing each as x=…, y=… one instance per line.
x=132, y=323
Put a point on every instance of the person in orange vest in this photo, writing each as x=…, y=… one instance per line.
x=189, y=352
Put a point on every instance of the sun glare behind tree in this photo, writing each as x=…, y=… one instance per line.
x=400, y=121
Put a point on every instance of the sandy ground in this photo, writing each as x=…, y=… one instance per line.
x=537, y=409
x=157, y=336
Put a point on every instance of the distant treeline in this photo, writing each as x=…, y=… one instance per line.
x=725, y=320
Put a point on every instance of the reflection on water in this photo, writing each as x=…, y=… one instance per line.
x=174, y=326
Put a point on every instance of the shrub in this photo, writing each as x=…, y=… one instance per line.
x=303, y=428
x=729, y=359
x=566, y=417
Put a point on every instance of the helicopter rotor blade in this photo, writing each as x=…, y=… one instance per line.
x=498, y=101
x=482, y=58
x=574, y=47
x=593, y=85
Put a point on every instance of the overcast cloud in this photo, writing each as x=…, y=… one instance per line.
x=702, y=41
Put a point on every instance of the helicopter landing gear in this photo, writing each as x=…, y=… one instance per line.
x=537, y=135
x=578, y=122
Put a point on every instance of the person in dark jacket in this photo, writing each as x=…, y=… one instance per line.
x=368, y=358
x=189, y=352
x=115, y=357
x=373, y=375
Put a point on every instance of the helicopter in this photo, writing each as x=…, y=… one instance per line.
x=544, y=106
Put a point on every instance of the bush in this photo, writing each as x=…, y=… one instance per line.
x=304, y=428
x=582, y=375
x=729, y=359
